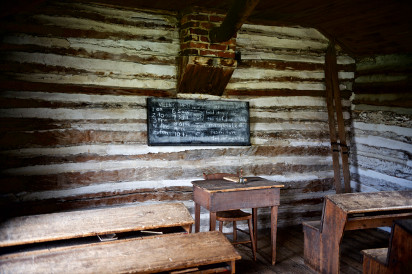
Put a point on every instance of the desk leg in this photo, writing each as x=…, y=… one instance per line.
x=274, y=227
x=212, y=221
x=197, y=217
x=232, y=267
x=255, y=228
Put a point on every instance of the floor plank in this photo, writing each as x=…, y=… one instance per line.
x=290, y=251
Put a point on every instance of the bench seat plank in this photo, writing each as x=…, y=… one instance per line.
x=372, y=201
x=91, y=222
x=145, y=255
x=377, y=254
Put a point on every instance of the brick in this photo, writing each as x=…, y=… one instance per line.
x=190, y=52
x=204, y=39
x=199, y=31
x=206, y=25
x=190, y=25
x=194, y=45
x=224, y=54
x=197, y=17
x=184, y=46
x=198, y=45
x=231, y=41
x=218, y=46
x=208, y=53
x=191, y=38
x=216, y=18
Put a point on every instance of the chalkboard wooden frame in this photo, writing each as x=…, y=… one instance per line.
x=195, y=122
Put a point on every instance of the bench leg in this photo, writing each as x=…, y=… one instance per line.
x=370, y=266
x=311, y=249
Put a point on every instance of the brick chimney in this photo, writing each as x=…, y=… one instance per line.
x=204, y=67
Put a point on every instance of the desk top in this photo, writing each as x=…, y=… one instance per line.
x=147, y=255
x=372, y=201
x=222, y=185
x=91, y=222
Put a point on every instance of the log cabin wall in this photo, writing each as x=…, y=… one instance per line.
x=382, y=127
x=75, y=78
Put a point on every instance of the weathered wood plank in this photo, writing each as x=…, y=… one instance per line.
x=369, y=202
x=146, y=255
x=75, y=224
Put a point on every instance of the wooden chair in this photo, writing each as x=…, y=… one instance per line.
x=397, y=258
x=233, y=216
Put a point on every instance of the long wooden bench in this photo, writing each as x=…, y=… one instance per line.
x=205, y=252
x=147, y=239
x=397, y=258
x=94, y=222
x=350, y=211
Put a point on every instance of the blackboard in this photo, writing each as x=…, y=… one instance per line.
x=197, y=122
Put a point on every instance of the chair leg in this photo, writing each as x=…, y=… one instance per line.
x=234, y=232
x=252, y=238
x=221, y=226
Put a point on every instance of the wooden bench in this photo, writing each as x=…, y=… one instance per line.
x=149, y=238
x=205, y=252
x=94, y=222
x=350, y=211
x=397, y=258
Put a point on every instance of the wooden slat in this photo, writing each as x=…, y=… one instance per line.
x=331, y=119
x=145, y=255
x=227, y=186
x=375, y=221
x=373, y=201
x=331, y=60
x=75, y=224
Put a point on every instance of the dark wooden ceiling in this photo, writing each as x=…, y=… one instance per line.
x=361, y=27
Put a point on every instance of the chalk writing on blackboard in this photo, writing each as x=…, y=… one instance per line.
x=197, y=122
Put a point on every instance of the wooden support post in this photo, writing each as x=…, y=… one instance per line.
x=236, y=16
x=334, y=104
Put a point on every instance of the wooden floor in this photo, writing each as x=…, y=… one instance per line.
x=290, y=251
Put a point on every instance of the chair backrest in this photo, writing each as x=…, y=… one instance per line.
x=217, y=176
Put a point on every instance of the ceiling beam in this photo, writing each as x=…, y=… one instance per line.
x=236, y=16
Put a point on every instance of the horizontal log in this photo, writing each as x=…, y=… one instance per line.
x=52, y=179
x=7, y=84
x=14, y=160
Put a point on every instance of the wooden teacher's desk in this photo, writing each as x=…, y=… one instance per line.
x=221, y=195
x=350, y=211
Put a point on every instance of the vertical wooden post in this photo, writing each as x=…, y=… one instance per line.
x=331, y=120
x=334, y=104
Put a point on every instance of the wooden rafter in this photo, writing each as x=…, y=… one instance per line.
x=237, y=15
